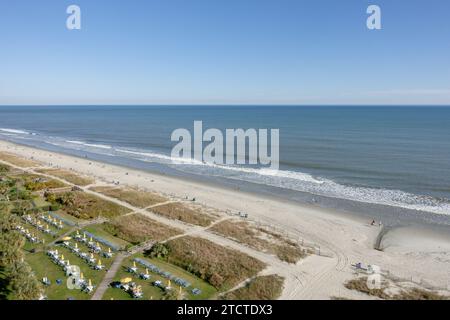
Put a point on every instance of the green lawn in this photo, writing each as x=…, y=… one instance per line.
x=44, y=267
x=41, y=235
x=89, y=273
x=68, y=217
x=97, y=229
x=152, y=292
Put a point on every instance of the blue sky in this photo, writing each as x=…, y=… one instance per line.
x=225, y=52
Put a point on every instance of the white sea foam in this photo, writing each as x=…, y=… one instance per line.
x=13, y=131
x=153, y=155
x=304, y=182
x=93, y=145
x=293, y=180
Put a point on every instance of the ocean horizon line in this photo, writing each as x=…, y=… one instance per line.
x=234, y=105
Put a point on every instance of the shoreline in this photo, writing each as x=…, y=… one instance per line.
x=346, y=238
x=390, y=215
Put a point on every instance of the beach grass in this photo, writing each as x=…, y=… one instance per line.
x=179, y=211
x=221, y=267
x=137, y=198
x=360, y=285
x=260, y=288
x=260, y=239
x=137, y=228
x=68, y=176
x=18, y=161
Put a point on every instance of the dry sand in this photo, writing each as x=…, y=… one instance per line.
x=416, y=254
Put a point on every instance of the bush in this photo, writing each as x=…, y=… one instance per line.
x=159, y=250
x=4, y=168
x=86, y=206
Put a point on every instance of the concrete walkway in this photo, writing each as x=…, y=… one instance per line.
x=108, y=278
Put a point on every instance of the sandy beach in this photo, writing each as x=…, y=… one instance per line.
x=410, y=254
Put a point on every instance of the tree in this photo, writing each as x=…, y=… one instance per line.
x=23, y=283
x=16, y=274
x=159, y=250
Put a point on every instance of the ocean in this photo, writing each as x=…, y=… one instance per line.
x=389, y=161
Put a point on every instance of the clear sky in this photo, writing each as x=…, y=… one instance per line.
x=225, y=52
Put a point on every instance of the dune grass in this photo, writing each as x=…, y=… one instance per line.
x=137, y=228
x=260, y=239
x=360, y=285
x=18, y=161
x=260, y=288
x=222, y=267
x=181, y=212
x=68, y=176
x=134, y=197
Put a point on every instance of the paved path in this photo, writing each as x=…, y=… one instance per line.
x=108, y=278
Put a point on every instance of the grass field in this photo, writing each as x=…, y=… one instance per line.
x=43, y=236
x=260, y=239
x=44, y=267
x=134, y=197
x=259, y=288
x=98, y=230
x=137, y=228
x=178, y=211
x=68, y=176
x=222, y=267
x=155, y=293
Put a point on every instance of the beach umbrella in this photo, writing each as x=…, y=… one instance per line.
x=126, y=280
